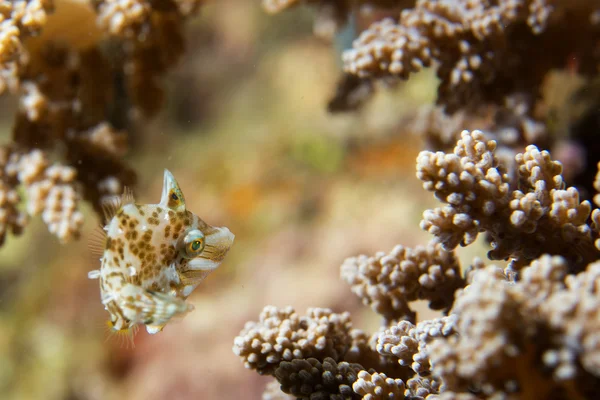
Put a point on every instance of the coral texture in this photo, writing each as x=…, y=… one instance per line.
x=471, y=42
x=388, y=282
x=78, y=101
x=311, y=378
x=534, y=216
x=283, y=335
x=529, y=330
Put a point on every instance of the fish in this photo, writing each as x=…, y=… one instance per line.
x=152, y=257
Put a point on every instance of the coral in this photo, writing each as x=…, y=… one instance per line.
x=19, y=20
x=311, y=378
x=597, y=187
x=283, y=335
x=517, y=326
x=78, y=101
x=50, y=190
x=408, y=343
x=535, y=215
x=376, y=386
x=388, y=282
x=471, y=42
x=422, y=387
x=529, y=330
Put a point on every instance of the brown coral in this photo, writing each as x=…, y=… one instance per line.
x=538, y=215
x=311, y=378
x=73, y=94
x=283, y=335
x=51, y=191
x=407, y=343
x=389, y=282
x=471, y=41
x=516, y=326
x=377, y=386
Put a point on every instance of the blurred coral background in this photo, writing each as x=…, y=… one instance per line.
x=246, y=132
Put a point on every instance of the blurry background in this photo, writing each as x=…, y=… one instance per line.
x=247, y=134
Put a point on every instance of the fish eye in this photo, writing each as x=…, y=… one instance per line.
x=193, y=244
x=174, y=196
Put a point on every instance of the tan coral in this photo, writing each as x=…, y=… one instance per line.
x=283, y=335
x=388, y=48
x=536, y=216
x=514, y=324
x=576, y=311
x=421, y=387
x=377, y=386
x=471, y=42
x=470, y=181
x=597, y=186
x=50, y=192
x=389, y=282
x=123, y=17
x=408, y=343
x=310, y=378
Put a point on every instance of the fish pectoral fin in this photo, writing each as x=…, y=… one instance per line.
x=153, y=329
x=193, y=277
x=148, y=307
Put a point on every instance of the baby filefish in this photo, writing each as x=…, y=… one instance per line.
x=152, y=256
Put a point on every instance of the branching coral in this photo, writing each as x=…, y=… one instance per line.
x=511, y=336
x=50, y=190
x=473, y=43
x=389, y=282
x=79, y=95
x=527, y=331
x=408, y=343
x=535, y=215
x=283, y=335
x=312, y=378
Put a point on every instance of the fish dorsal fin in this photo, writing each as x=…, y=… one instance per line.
x=97, y=244
x=172, y=196
x=111, y=206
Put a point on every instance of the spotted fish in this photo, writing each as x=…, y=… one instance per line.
x=153, y=256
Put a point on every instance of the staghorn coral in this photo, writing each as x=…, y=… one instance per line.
x=526, y=331
x=376, y=386
x=508, y=335
x=50, y=191
x=408, y=343
x=81, y=96
x=421, y=387
x=471, y=42
x=311, y=378
x=19, y=20
x=388, y=282
x=597, y=187
x=283, y=335
x=534, y=216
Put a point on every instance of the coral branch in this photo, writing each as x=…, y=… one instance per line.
x=388, y=283
x=283, y=335
x=535, y=217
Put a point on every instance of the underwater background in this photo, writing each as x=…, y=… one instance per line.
x=241, y=107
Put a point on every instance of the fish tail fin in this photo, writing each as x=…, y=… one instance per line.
x=125, y=336
x=154, y=309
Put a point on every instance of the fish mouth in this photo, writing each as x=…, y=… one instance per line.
x=217, y=244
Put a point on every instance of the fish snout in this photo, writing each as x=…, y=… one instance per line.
x=218, y=242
